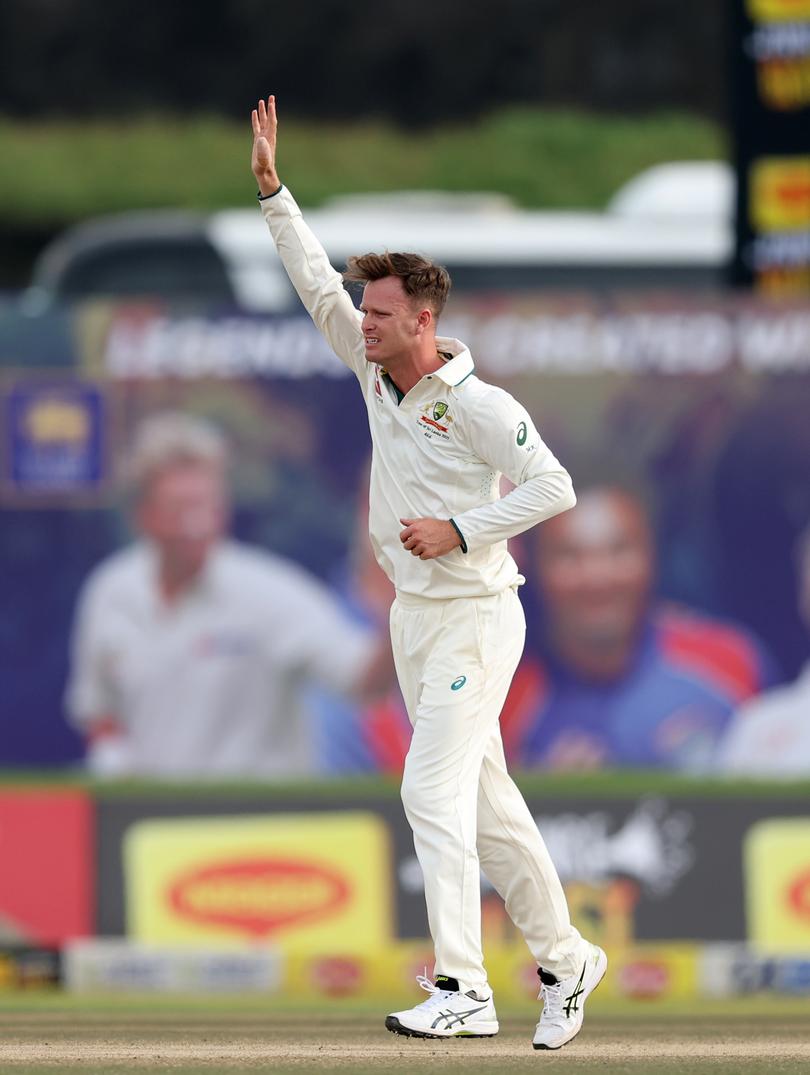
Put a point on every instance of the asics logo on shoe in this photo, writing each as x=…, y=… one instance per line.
x=572, y=1001
x=452, y=1019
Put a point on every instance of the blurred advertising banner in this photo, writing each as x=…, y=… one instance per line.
x=695, y=405
x=303, y=881
x=285, y=871
x=47, y=867
x=777, y=883
x=771, y=94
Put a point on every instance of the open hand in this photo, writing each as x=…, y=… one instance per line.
x=429, y=538
x=263, y=161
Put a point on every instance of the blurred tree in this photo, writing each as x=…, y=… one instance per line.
x=426, y=61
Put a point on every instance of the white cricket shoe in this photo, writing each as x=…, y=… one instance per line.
x=447, y=1013
x=564, y=1001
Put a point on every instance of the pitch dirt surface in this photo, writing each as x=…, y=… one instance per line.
x=164, y=1037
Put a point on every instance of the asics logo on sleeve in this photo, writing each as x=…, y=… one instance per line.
x=457, y=684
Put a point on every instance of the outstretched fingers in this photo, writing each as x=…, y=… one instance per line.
x=263, y=117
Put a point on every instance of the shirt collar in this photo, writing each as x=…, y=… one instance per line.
x=459, y=367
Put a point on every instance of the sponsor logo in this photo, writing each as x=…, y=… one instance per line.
x=56, y=437
x=780, y=193
x=258, y=896
x=644, y=978
x=651, y=847
x=447, y=1020
x=799, y=895
x=572, y=1000
x=457, y=684
x=57, y=421
x=522, y=433
x=735, y=970
x=225, y=644
x=337, y=976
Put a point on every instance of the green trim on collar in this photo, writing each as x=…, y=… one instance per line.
x=456, y=370
x=400, y=395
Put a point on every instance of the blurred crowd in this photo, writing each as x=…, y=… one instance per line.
x=195, y=655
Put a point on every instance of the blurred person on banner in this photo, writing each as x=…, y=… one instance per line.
x=770, y=735
x=610, y=676
x=190, y=651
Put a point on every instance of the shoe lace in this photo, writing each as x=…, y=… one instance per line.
x=437, y=996
x=552, y=997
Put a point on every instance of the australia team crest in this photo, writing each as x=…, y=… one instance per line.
x=436, y=419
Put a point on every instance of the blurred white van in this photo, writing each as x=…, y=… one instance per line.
x=671, y=226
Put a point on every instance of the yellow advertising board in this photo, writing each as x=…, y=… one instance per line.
x=779, y=10
x=304, y=882
x=777, y=885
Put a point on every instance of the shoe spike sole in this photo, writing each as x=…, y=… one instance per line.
x=393, y=1024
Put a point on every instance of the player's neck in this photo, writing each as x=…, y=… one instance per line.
x=408, y=369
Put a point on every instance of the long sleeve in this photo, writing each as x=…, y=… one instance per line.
x=319, y=286
x=502, y=433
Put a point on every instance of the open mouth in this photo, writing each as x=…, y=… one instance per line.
x=371, y=340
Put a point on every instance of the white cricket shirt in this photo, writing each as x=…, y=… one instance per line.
x=441, y=451
x=212, y=683
x=770, y=735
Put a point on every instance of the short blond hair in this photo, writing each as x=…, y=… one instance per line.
x=422, y=279
x=171, y=437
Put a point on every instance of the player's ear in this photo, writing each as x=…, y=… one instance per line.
x=424, y=319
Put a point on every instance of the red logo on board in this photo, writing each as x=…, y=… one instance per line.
x=259, y=896
x=799, y=895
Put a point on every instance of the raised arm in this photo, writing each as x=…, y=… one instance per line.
x=265, y=131
x=319, y=286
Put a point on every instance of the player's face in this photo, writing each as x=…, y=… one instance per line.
x=391, y=322
x=595, y=564
x=184, y=511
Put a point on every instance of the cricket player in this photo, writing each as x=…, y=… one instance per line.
x=441, y=439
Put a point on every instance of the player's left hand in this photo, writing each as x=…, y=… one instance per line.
x=429, y=538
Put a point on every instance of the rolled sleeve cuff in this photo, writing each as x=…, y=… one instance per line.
x=272, y=194
x=457, y=529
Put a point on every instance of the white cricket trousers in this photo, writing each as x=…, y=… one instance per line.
x=455, y=660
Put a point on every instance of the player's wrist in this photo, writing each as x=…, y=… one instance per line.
x=269, y=183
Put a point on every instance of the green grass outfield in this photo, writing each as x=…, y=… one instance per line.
x=50, y=1032
x=618, y=784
